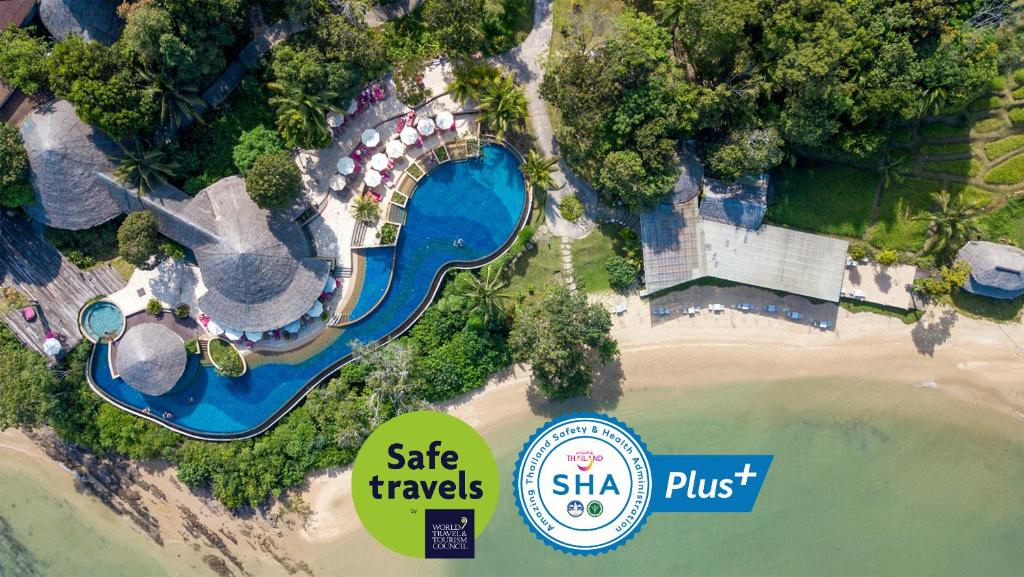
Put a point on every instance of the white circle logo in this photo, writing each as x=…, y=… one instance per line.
x=590, y=463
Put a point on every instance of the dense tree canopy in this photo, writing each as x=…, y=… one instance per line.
x=138, y=239
x=26, y=386
x=274, y=180
x=14, y=188
x=22, y=59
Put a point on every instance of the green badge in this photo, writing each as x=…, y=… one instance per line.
x=413, y=471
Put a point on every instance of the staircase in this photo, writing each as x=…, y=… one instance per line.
x=204, y=353
x=338, y=320
x=342, y=272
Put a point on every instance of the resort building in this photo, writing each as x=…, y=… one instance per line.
x=151, y=358
x=997, y=270
x=91, y=19
x=722, y=236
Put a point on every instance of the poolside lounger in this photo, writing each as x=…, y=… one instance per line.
x=745, y=307
x=772, y=309
x=795, y=315
x=619, y=309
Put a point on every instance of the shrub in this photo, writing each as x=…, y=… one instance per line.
x=1009, y=172
x=571, y=208
x=945, y=281
x=182, y=311
x=23, y=59
x=154, y=307
x=274, y=180
x=13, y=157
x=858, y=251
x=387, y=234
x=172, y=250
x=253, y=144
x=888, y=257
x=192, y=347
x=137, y=239
x=225, y=358
x=621, y=273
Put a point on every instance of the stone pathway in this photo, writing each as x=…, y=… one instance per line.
x=567, y=273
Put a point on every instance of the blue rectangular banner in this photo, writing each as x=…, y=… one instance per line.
x=707, y=483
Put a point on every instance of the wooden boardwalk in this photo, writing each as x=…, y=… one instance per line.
x=33, y=266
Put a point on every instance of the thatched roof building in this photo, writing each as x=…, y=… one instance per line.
x=257, y=265
x=151, y=358
x=67, y=156
x=741, y=203
x=997, y=270
x=91, y=19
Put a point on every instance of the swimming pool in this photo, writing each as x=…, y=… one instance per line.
x=378, y=264
x=102, y=319
x=481, y=201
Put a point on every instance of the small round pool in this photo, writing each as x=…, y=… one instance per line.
x=102, y=319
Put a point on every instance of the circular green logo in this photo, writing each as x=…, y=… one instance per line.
x=595, y=508
x=421, y=477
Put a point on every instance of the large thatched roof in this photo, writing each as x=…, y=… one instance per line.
x=66, y=157
x=997, y=270
x=256, y=264
x=151, y=358
x=92, y=19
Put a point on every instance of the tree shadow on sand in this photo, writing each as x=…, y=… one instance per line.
x=933, y=330
x=605, y=394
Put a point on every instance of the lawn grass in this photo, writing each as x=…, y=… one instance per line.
x=591, y=253
x=941, y=130
x=123, y=268
x=972, y=194
x=1017, y=115
x=1005, y=224
x=536, y=268
x=824, y=197
x=987, y=125
x=946, y=149
x=1008, y=172
x=999, y=310
x=1019, y=93
x=1003, y=146
x=226, y=358
x=986, y=103
x=858, y=306
x=896, y=228
x=966, y=167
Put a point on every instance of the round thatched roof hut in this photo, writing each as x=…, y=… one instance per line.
x=91, y=19
x=997, y=270
x=66, y=156
x=151, y=358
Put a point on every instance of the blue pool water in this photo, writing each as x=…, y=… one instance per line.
x=101, y=319
x=479, y=201
x=379, y=263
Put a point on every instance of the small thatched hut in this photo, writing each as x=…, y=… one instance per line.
x=91, y=19
x=997, y=270
x=151, y=358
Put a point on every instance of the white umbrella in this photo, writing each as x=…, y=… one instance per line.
x=372, y=178
x=335, y=119
x=51, y=347
x=370, y=137
x=409, y=136
x=330, y=285
x=254, y=336
x=233, y=334
x=395, y=148
x=425, y=126
x=213, y=328
x=316, y=309
x=444, y=120
x=346, y=165
x=379, y=161
x=337, y=182
x=353, y=106
x=292, y=327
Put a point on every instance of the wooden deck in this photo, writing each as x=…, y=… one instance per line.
x=30, y=264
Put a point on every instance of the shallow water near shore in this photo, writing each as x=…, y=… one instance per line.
x=869, y=478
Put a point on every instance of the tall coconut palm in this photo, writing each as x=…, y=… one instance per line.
x=950, y=226
x=485, y=294
x=471, y=79
x=537, y=171
x=365, y=210
x=892, y=170
x=146, y=168
x=670, y=13
x=503, y=104
x=301, y=117
x=177, y=102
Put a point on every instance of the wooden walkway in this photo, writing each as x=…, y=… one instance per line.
x=30, y=264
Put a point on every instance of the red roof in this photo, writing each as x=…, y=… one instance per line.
x=17, y=12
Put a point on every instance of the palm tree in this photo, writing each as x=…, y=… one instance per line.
x=950, y=226
x=301, y=117
x=934, y=101
x=365, y=210
x=670, y=13
x=471, y=79
x=178, y=102
x=892, y=170
x=537, y=171
x=146, y=168
x=503, y=104
x=485, y=294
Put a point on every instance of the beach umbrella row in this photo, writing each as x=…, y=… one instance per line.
x=372, y=178
x=395, y=149
x=379, y=161
x=408, y=136
x=233, y=334
x=254, y=336
x=292, y=327
x=425, y=126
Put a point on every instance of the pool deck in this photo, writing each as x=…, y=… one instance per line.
x=33, y=266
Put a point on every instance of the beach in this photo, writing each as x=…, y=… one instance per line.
x=960, y=366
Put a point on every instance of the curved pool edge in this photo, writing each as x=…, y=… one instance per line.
x=81, y=316
x=333, y=368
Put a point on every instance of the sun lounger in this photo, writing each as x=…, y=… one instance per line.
x=823, y=325
x=693, y=311
x=716, y=308
x=619, y=309
x=745, y=307
x=795, y=315
x=771, y=309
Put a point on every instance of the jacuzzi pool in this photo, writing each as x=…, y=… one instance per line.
x=102, y=319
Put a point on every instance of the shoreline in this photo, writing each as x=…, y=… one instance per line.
x=973, y=361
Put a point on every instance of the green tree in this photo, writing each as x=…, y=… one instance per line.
x=23, y=59
x=471, y=79
x=485, y=294
x=624, y=177
x=176, y=102
x=274, y=180
x=456, y=23
x=538, y=170
x=14, y=188
x=365, y=210
x=621, y=273
x=301, y=117
x=503, y=105
x=557, y=336
x=944, y=281
x=389, y=391
x=571, y=208
x=253, y=144
x=146, y=168
x=950, y=226
x=27, y=387
x=138, y=239
x=751, y=150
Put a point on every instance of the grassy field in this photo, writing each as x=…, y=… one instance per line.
x=824, y=197
x=896, y=228
x=1008, y=172
x=989, y=309
x=1006, y=224
x=965, y=167
x=536, y=268
x=1004, y=146
x=590, y=254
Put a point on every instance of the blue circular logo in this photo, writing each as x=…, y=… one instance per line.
x=584, y=458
